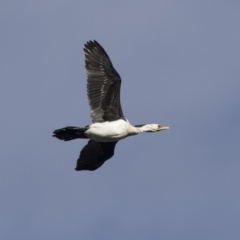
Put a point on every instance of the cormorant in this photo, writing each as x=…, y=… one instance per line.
x=109, y=124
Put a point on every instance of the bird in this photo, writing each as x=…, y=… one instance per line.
x=108, y=122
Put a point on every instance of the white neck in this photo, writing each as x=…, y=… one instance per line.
x=144, y=128
x=149, y=128
x=136, y=130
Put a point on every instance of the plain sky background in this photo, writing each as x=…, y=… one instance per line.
x=179, y=63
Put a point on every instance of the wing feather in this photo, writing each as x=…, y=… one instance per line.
x=103, y=84
x=94, y=154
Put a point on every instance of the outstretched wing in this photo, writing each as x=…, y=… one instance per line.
x=103, y=84
x=94, y=154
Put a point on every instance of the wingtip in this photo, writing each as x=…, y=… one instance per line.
x=91, y=44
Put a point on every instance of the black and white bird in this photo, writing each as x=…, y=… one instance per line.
x=109, y=124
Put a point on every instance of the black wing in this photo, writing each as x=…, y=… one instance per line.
x=94, y=154
x=103, y=84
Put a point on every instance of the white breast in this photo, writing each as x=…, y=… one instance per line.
x=110, y=131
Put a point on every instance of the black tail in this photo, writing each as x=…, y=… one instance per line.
x=70, y=133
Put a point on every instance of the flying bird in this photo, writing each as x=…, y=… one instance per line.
x=109, y=124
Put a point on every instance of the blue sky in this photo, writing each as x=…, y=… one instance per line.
x=179, y=63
